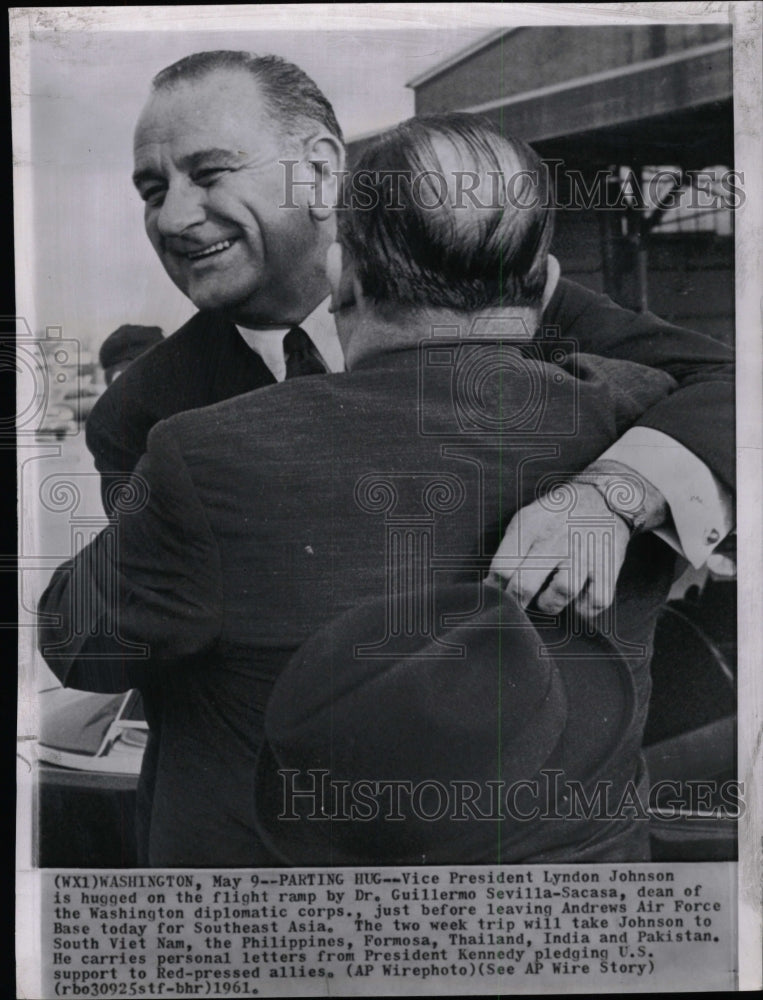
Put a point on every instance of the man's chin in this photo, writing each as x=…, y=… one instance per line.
x=217, y=300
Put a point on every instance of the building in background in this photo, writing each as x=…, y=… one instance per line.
x=637, y=124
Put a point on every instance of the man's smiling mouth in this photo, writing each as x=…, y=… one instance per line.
x=210, y=250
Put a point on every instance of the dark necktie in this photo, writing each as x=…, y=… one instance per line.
x=301, y=355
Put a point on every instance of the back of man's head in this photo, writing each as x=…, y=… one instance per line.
x=446, y=212
x=294, y=100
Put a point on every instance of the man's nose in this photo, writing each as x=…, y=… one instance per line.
x=182, y=208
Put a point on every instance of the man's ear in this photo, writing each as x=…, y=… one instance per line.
x=341, y=278
x=325, y=154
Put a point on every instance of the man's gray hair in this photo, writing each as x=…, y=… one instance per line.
x=417, y=243
x=293, y=100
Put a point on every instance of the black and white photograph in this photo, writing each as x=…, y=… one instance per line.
x=389, y=498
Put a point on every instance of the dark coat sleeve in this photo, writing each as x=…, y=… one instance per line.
x=701, y=413
x=146, y=593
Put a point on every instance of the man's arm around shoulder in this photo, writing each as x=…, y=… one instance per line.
x=699, y=416
x=146, y=592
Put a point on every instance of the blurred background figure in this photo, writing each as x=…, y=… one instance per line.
x=124, y=345
x=74, y=382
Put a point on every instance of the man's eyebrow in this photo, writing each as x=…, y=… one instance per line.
x=202, y=157
x=222, y=157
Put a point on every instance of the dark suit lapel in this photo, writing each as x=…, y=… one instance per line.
x=237, y=368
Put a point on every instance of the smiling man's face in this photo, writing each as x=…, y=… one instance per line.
x=207, y=165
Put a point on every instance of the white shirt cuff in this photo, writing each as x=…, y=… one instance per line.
x=702, y=507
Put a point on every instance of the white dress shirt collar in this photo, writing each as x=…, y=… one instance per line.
x=320, y=328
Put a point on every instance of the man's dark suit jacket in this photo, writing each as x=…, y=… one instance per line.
x=262, y=525
x=207, y=361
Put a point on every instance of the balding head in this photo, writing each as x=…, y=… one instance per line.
x=445, y=212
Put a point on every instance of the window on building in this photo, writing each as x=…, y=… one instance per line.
x=679, y=201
